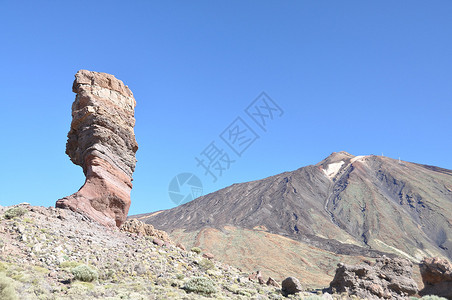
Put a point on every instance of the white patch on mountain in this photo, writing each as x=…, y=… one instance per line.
x=332, y=169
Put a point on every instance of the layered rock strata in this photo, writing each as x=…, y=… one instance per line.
x=102, y=141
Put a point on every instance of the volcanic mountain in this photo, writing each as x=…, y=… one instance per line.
x=345, y=208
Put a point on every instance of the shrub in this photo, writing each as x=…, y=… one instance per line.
x=14, y=212
x=196, y=250
x=207, y=264
x=2, y=267
x=85, y=273
x=200, y=285
x=431, y=297
x=246, y=292
x=69, y=264
x=180, y=276
x=7, y=291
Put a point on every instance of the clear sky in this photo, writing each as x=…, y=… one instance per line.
x=366, y=77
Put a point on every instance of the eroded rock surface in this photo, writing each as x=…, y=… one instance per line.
x=102, y=141
x=389, y=278
x=437, y=277
x=143, y=229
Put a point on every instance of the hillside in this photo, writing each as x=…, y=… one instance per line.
x=48, y=253
x=356, y=206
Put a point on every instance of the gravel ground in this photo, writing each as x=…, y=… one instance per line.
x=41, y=248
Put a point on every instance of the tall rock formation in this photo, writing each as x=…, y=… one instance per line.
x=102, y=141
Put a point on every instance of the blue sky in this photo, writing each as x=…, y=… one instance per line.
x=366, y=77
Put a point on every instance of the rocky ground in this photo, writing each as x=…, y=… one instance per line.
x=51, y=253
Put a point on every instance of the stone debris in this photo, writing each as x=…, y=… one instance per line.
x=260, y=279
x=158, y=242
x=257, y=277
x=39, y=251
x=180, y=246
x=143, y=229
x=272, y=282
x=208, y=255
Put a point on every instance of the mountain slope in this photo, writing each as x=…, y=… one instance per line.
x=352, y=205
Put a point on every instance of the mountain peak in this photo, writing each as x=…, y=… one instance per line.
x=334, y=162
x=360, y=206
x=337, y=156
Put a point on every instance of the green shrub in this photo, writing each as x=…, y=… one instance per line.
x=246, y=292
x=85, y=273
x=2, y=267
x=69, y=264
x=200, y=285
x=207, y=264
x=196, y=250
x=14, y=212
x=432, y=297
x=180, y=276
x=7, y=291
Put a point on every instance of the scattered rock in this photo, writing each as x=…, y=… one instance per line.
x=272, y=282
x=101, y=140
x=37, y=248
x=62, y=215
x=437, y=277
x=208, y=255
x=242, y=280
x=140, y=269
x=158, y=242
x=41, y=210
x=180, y=246
x=252, y=276
x=387, y=278
x=58, y=254
x=256, y=276
x=143, y=229
x=290, y=286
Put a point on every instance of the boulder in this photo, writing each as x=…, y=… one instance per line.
x=327, y=296
x=272, y=282
x=252, y=276
x=158, y=242
x=259, y=277
x=389, y=278
x=143, y=229
x=208, y=255
x=290, y=286
x=256, y=276
x=181, y=246
x=101, y=140
x=437, y=277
